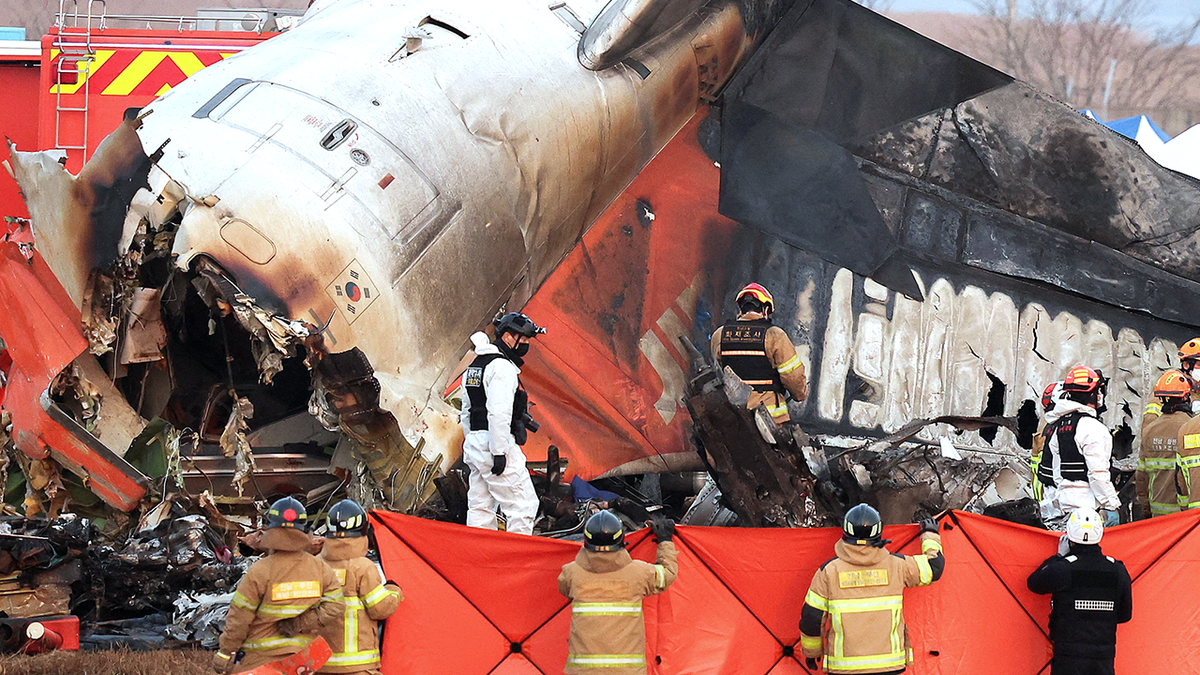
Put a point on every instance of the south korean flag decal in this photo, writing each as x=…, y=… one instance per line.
x=352, y=291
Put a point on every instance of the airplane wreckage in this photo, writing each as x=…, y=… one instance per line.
x=270, y=273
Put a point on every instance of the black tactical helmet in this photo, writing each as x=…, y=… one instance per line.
x=287, y=512
x=863, y=526
x=517, y=323
x=346, y=519
x=603, y=532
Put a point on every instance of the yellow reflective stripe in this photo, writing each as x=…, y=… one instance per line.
x=789, y=365
x=816, y=602
x=777, y=410
x=299, y=642
x=928, y=545
x=1160, y=509
x=925, y=569
x=333, y=596
x=1158, y=463
x=377, y=596
x=810, y=642
x=242, y=601
x=893, y=659
x=606, y=660
x=1154, y=408
x=660, y=577
x=350, y=635
x=353, y=658
x=606, y=608
x=285, y=611
x=353, y=602
x=744, y=352
x=1189, y=462
x=850, y=605
x=753, y=382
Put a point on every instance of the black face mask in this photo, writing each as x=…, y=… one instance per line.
x=513, y=353
x=522, y=349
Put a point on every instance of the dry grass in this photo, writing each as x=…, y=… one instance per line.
x=119, y=662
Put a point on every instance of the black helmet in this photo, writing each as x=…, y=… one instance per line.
x=518, y=323
x=603, y=532
x=863, y=526
x=287, y=512
x=346, y=519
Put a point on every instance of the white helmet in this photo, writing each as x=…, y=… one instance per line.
x=1085, y=527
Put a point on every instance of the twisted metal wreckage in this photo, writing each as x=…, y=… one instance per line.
x=284, y=256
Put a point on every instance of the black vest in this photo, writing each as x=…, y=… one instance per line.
x=744, y=350
x=477, y=396
x=1083, y=618
x=1072, y=465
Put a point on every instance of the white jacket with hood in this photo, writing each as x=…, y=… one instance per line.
x=1096, y=444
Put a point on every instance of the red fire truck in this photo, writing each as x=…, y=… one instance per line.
x=71, y=89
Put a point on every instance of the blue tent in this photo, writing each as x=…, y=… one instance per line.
x=1135, y=127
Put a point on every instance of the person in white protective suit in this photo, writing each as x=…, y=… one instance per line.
x=1076, y=461
x=495, y=419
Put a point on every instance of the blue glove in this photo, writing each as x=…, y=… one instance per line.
x=1111, y=518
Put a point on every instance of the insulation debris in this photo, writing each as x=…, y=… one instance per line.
x=235, y=445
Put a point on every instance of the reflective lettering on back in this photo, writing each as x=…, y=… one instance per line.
x=862, y=578
x=1191, y=441
x=295, y=590
x=473, y=377
x=341, y=575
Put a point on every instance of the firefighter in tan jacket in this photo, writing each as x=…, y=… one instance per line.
x=1157, y=467
x=284, y=601
x=355, y=636
x=862, y=593
x=761, y=354
x=606, y=588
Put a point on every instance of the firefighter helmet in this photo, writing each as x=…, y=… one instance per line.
x=863, y=526
x=759, y=294
x=1190, y=351
x=287, y=512
x=1083, y=379
x=603, y=532
x=346, y=519
x=1085, y=526
x=1051, y=394
x=518, y=324
x=1173, y=384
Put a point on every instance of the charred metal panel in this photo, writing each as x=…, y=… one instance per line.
x=838, y=68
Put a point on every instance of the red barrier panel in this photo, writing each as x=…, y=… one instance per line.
x=487, y=602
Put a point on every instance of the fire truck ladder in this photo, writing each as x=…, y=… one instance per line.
x=76, y=55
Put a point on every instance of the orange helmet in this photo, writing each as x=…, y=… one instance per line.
x=762, y=295
x=1173, y=384
x=1083, y=379
x=1190, y=350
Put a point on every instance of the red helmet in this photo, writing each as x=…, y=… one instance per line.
x=1052, y=391
x=1083, y=379
x=1173, y=384
x=762, y=295
x=1190, y=351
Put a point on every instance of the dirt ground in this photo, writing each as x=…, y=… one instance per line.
x=119, y=662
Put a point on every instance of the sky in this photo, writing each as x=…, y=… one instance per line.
x=1163, y=12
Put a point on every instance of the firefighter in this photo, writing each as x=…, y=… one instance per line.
x=1157, y=472
x=284, y=600
x=355, y=636
x=1076, y=463
x=1189, y=354
x=495, y=423
x=862, y=592
x=761, y=354
x=1091, y=595
x=606, y=588
x=1188, y=463
x=1051, y=394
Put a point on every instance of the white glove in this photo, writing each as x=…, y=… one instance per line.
x=1064, y=545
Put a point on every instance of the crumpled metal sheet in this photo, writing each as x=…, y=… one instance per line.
x=200, y=618
x=145, y=334
x=235, y=445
